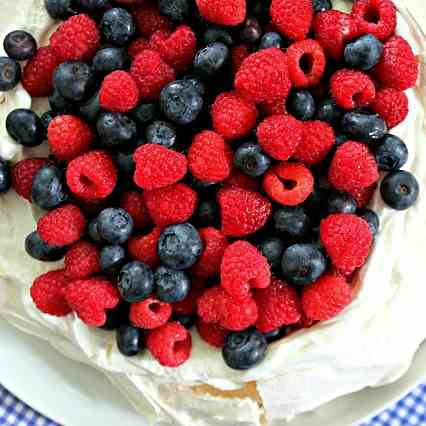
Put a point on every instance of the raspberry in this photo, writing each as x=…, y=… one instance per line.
x=212, y=333
x=150, y=313
x=317, y=140
x=363, y=196
x=233, y=116
x=188, y=306
x=47, y=293
x=119, y=92
x=92, y=176
x=263, y=76
x=398, y=67
x=210, y=157
x=391, y=105
x=170, y=344
x=326, y=298
x=62, y=226
x=137, y=46
x=274, y=108
x=68, y=137
x=243, y=267
x=376, y=17
x=209, y=305
x=352, y=89
x=151, y=74
x=223, y=12
x=292, y=18
x=82, y=260
x=289, y=184
x=306, y=63
x=134, y=203
x=214, y=243
x=91, y=298
x=158, y=166
x=76, y=39
x=243, y=212
x=279, y=136
x=278, y=305
x=242, y=181
x=148, y=19
x=144, y=248
x=37, y=76
x=238, y=54
x=172, y=204
x=353, y=167
x=23, y=173
x=347, y=239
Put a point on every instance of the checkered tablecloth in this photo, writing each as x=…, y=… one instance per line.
x=410, y=411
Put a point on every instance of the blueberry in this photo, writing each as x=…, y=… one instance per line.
x=322, y=5
x=115, y=225
x=10, y=74
x=250, y=159
x=20, y=45
x=207, y=213
x=341, y=203
x=186, y=320
x=171, y=285
x=92, y=5
x=130, y=340
x=292, y=221
x=93, y=232
x=74, y=80
x=219, y=34
x=371, y=218
x=117, y=26
x=175, y=10
x=277, y=334
x=5, y=176
x=211, y=59
x=110, y=59
x=301, y=104
x=39, y=250
x=116, y=129
x=391, y=153
x=181, y=102
x=303, y=264
x=25, y=127
x=47, y=118
x=59, y=104
x=364, y=53
x=117, y=317
x=271, y=39
x=60, y=9
x=49, y=189
x=340, y=139
x=251, y=31
x=91, y=109
x=124, y=159
x=363, y=126
x=179, y=246
x=399, y=190
x=161, y=133
x=244, y=349
x=135, y=282
x=329, y=112
x=144, y=113
x=272, y=249
x=112, y=259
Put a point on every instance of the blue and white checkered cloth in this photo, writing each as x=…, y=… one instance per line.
x=410, y=411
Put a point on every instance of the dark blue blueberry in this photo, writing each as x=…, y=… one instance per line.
x=38, y=249
x=219, y=34
x=272, y=249
x=115, y=225
x=179, y=246
x=364, y=53
x=341, y=203
x=391, y=153
x=5, y=176
x=196, y=83
x=316, y=204
x=144, y=114
x=329, y=112
x=303, y=264
x=25, y=127
x=135, y=282
x=399, y=190
x=20, y=45
x=124, y=159
x=110, y=59
x=93, y=232
x=130, y=340
x=117, y=317
x=10, y=74
x=92, y=5
x=117, y=26
x=211, y=59
x=292, y=221
x=363, y=126
x=115, y=129
x=340, y=139
x=188, y=321
x=175, y=10
x=322, y=5
x=301, y=104
x=47, y=118
x=271, y=39
x=161, y=133
x=207, y=213
x=112, y=259
x=59, y=104
x=250, y=159
x=91, y=109
x=371, y=218
x=277, y=334
x=60, y=9
x=251, y=31
x=171, y=285
x=244, y=349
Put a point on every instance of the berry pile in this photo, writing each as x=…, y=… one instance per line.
x=211, y=163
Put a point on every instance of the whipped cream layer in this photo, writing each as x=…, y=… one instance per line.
x=371, y=343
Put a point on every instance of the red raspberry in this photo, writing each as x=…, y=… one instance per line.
x=212, y=333
x=398, y=67
x=172, y=204
x=363, y=196
x=238, y=54
x=23, y=173
x=347, y=239
x=243, y=267
x=353, y=168
x=76, y=39
x=391, y=105
x=137, y=46
x=214, y=243
x=92, y=176
x=317, y=140
x=352, y=89
x=170, y=344
x=289, y=184
x=210, y=157
x=233, y=116
x=326, y=298
x=292, y=18
x=188, y=306
x=47, y=293
x=209, y=305
x=223, y=12
x=278, y=305
x=263, y=76
x=274, y=108
x=37, y=77
x=151, y=74
x=242, y=181
x=150, y=313
x=69, y=137
x=82, y=260
x=62, y=226
x=144, y=248
x=134, y=203
x=243, y=212
x=306, y=63
x=148, y=19
x=91, y=298
x=279, y=136
x=376, y=17
x=158, y=166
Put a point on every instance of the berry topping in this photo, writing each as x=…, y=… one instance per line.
x=171, y=286
x=25, y=127
x=399, y=190
x=39, y=250
x=134, y=204
x=115, y=225
x=250, y=159
x=391, y=105
x=130, y=340
x=135, y=282
x=364, y=53
x=212, y=333
x=20, y=45
x=222, y=12
x=144, y=248
x=82, y=261
x=150, y=313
